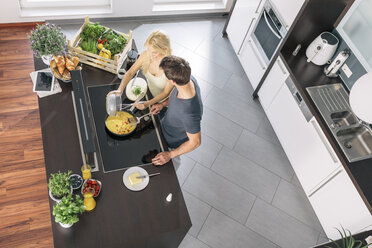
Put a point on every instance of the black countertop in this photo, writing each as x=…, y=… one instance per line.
x=306, y=75
x=122, y=218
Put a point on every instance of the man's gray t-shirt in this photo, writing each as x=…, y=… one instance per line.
x=183, y=115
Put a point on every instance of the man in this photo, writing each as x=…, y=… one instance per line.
x=181, y=122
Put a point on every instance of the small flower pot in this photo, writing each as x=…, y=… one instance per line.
x=46, y=59
x=65, y=225
x=57, y=199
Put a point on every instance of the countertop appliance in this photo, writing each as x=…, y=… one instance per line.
x=268, y=32
x=122, y=152
x=332, y=69
x=354, y=137
x=322, y=49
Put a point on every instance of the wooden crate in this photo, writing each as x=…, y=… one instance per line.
x=112, y=65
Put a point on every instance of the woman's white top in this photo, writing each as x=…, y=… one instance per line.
x=156, y=84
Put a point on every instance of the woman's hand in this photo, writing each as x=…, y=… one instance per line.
x=156, y=108
x=117, y=92
x=141, y=106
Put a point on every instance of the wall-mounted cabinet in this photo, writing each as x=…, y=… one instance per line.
x=356, y=29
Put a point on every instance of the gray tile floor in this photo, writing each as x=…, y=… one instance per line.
x=239, y=186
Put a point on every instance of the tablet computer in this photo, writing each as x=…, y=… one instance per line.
x=44, y=82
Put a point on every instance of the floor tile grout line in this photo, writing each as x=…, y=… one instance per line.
x=210, y=210
x=218, y=154
x=210, y=60
x=284, y=211
x=256, y=196
x=215, y=64
x=195, y=162
x=272, y=172
x=288, y=214
x=250, y=210
x=183, y=189
x=245, y=226
x=244, y=102
x=277, y=187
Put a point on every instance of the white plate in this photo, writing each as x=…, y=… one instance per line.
x=138, y=186
x=139, y=82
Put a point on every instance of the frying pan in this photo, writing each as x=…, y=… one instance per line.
x=134, y=120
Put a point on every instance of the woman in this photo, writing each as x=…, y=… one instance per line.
x=157, y=47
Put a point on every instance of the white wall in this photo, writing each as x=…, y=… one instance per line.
x=10, y=12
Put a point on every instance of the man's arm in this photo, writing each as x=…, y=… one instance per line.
x=193, y=142
x=156, y=108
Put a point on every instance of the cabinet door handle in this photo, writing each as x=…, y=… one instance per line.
x=245, y=36
x=324, y=183
x=324, y=140
x=262, y=63
x=281, y=66
x=258, y=7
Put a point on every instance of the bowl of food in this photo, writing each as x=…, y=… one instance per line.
x=76, y=181
x=62, y=65
x=135, y=87
x=91, y=183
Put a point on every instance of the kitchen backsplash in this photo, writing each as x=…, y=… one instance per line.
x=352, y=62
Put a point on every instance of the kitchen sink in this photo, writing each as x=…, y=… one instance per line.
x=343, y=118
x=359, y=138
x=354, y=138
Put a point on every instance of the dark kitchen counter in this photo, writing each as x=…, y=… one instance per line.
x=306, y=75
x=122, y=218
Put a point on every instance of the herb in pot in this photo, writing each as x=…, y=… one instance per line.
x=67, y=210
x=47, y=39
x=59, y=184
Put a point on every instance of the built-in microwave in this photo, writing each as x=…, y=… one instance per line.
x=268, y=32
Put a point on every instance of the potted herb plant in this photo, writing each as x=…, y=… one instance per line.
x=47, y=40
x=346, y=241
x=59, y=185
x=66, y=211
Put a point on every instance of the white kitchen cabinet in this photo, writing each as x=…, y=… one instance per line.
x=288, y=10
x=240, y=21
x=338, y=203
x=251, y=61
x=310, y=154
x=272, y=83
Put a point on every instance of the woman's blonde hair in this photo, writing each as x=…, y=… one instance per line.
x=160, y=42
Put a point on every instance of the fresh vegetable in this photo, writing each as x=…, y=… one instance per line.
x=99, y=46
x=59, y=184
x=137, y=90
x=89, y=45
x=91, y=183
x=92, y=32
x=113, y=41
x=66, y=211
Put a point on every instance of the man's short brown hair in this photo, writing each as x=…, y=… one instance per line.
x=176, y=69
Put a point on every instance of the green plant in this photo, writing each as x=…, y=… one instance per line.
x=115, y=42
x=92, y=31
x=59, y=184
x=47, y=39
x=67, y=210
x=347, y=241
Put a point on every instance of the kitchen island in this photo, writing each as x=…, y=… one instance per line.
x=122, y=218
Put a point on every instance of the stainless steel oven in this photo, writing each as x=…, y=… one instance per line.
x=268, y=32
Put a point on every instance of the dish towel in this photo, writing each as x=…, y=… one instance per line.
x=57, y=88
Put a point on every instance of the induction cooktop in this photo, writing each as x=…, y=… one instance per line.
x=119, y=153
